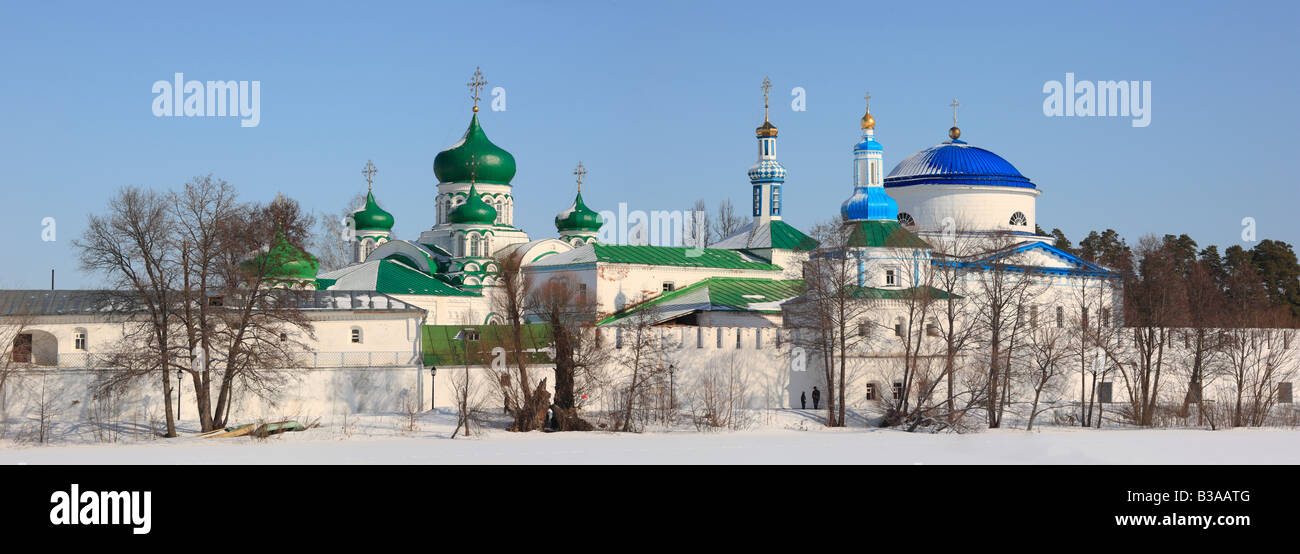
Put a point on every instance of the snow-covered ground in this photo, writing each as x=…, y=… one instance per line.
x=780, y=437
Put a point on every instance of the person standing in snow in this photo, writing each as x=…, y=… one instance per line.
x=817, y=396
x=803, y=400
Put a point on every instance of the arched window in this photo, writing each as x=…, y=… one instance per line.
x=1018, y=219
x=905, y=218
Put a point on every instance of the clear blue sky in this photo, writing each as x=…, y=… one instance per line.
x=659, y=101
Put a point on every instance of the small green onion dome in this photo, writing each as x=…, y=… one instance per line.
x=474, y=210
x=285, y=261
x=495, y=165
x=372, y=217
x=578, y=218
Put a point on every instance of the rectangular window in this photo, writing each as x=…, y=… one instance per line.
x=1033, y=316
x=1104, y=392
x=898, y=391
x=864, y=329
x=738, y=338
x=758, y=200
x=758, y=339
x=618, y=337
x=890, y=278
x=79, y=340
x=776, y=199
x=898, y=330
x=719, y=338
x=582, y=292
x=1284, y=392
x=699, y=337
x=1105, y=317
x=669, y=286
x=356, y=336
x=871, y=391
x=1060, y=317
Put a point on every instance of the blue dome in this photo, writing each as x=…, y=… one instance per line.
x=956, y=163
x=868, y=143
x=869, y=203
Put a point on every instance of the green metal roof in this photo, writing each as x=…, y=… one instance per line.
x=872, y=293
x=884, y=233
x=786, y=236
x=720, y=293
x=677, y=256
x=442, y=349
x=396, y=278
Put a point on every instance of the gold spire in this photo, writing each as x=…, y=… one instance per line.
x=476, y=85
x=868, y=122
x=767, y=129
x=954, y=133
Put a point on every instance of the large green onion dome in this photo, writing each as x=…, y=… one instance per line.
x=372, y=217
x=494, y=164
x=578, y=218
x=283, y=260
x=474, y=210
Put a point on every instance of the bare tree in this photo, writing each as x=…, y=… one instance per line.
x=637, y=344
x=1153, y=307
x=699, y=226
x=828, y=315
x=579, y=361
x=332, y=243
x=1003, y=296
x=262, y=326
x=954, y=310
x=134, y=246
x=727, y=222
x=1048, y=349
x=526, y=401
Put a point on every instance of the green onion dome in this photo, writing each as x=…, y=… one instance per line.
x=578, y=218
x=372, y=217
x=495, y=165
x=283, y=260
x=474, y=210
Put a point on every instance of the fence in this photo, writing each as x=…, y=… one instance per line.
x=302, y=360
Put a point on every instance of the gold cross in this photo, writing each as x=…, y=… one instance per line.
x=767, y=87
x=868, y=99
x=580, y=172
x=472, y=164
x=370, y=172
x=476, y=85
x=954, y=106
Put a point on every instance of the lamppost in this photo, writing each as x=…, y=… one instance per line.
x=433, y=388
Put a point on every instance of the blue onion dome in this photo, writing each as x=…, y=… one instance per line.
x=767, y=170
x=474, y=210
x=495, y=165
x=372, y=217
x=869, y=203
x=578, y=218
x=956, y=163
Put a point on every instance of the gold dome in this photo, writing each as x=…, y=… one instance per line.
x=767, y=129
x=868, y=122
x=954, y=133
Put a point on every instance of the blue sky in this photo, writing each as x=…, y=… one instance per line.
x=658, y=100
